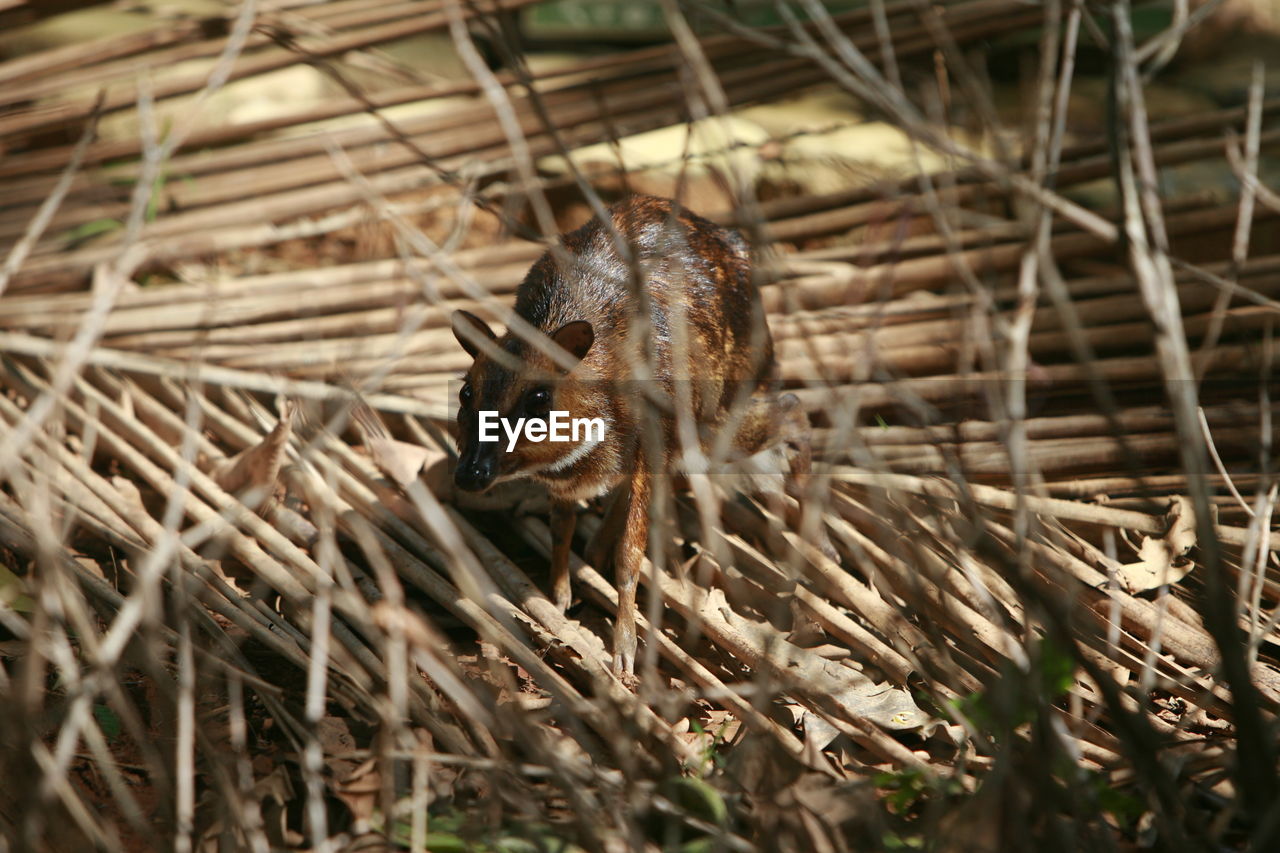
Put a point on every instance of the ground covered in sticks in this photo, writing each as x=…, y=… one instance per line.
x=1020, y=266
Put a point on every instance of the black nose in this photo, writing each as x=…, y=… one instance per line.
x=474, y=474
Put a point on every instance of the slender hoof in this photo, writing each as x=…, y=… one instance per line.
x=624, y=665
x=563, y=598
x=624, y=651
x=828, y=550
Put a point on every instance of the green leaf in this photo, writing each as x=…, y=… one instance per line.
x=698, y=799
x=13, y=592
x=445, y=842
x=512, y=844
x=702, y=845
x=108, y=721
x=1057, y=669
x=92, y=228
x=1123, y=807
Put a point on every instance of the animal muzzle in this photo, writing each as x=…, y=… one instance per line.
x=476, y=471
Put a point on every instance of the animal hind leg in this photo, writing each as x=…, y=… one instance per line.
x=602, y=546
x=771, y=420
x=797, y=434
x=563, y=519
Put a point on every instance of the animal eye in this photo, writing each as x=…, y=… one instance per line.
x=537, y=400
x=465, y=395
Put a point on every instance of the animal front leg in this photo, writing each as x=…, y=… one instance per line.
x=628, y=560
x=563, y=520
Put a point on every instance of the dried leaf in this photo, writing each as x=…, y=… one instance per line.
x=258, y=467
x=129, y=492
x=273, y=793
x=399, y=460
x=891, y=708
x=359, y=790
x=1163, y=561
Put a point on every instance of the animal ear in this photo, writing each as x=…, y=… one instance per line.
x=465, y=327
x=575, y=338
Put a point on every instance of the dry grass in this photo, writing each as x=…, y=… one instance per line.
x=242, y=608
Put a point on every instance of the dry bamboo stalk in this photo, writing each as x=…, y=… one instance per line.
x=509, y=259
x=150, y=366
x=122, y=96
x=355, y=479
x=498, y=271
x=1063, y=510
x=1213, y=122
x=715, y=45
x=55, y=60
x=192, y=165
x=1172, y=153
x=753, y=72
x=359, y=664
x=1224, y=361
x=1092, y=488
x=1175, y=130
x=128, y=434
x=459, y=130
x=806, y=675
x=53, y=65
x=38, y=259
x=1187, y=639
x=588, y=650
x=1140, y=419
x=982, y=585
x=862, y=356
x=145, y=403
x=768, y=581
x=591, y=581
x=433, y=354
x=913, y=572
x=919, y=273
x=905, y=330
x=646, y=60
x=1257, y=273
x=134, y=531
x=1046, y=457
x=266, y=318
x=99, y=65
x=234, y=614
x=861, y=598
x=318, y=183
x=177, y=343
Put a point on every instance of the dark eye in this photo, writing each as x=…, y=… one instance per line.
x=465, y=395
x=537, y=400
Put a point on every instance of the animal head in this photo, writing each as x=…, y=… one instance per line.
x=512, y=384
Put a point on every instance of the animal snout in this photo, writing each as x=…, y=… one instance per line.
x=475, y=473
